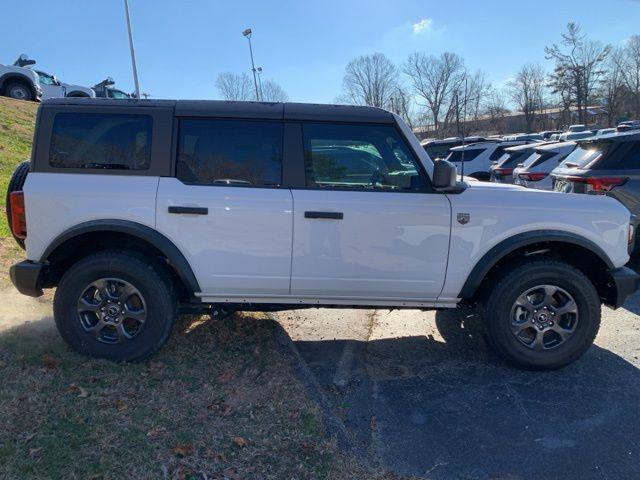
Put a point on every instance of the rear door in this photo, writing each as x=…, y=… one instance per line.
x=225, y=208
x=367, y=224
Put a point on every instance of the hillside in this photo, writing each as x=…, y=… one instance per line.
x=17, y=120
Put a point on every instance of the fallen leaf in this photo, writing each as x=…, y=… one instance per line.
x=34, y=452
x=49, y=361
x=239, y=441
x=183, y=450
x=155, y=432
x=225, y=377
x=77, y=389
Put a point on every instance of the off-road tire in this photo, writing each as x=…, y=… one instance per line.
x=15, y=184
x=156, y=289
x=518, y=278
x=13, y=88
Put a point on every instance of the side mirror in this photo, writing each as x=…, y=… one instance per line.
x=444, y=174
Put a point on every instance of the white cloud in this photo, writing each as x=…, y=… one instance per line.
x=422, y=26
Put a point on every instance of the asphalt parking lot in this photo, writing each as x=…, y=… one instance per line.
x=420, y=394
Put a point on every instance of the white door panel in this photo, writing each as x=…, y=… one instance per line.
x=387, y=245
x=242, y=246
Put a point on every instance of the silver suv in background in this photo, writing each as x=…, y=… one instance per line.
x=20, y=82
x=534, y=172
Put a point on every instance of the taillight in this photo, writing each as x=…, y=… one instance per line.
x=532, y=177
x=598, y=184
x=503, y=171
x=18, y=214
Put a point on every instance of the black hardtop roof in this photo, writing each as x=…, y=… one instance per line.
x=230, y=109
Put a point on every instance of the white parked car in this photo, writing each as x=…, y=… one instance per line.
x=535, y=170
x=54, y=88
x=136, y=209
x=572, y=136
x=20, y=82
x=475, y=160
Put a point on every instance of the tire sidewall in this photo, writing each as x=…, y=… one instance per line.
x=499, y=315
x=17, y=87
x=157, y=296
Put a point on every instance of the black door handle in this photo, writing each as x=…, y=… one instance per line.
x=327, y=215
x=189, y=210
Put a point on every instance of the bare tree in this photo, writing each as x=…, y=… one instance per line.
x=495, y=107
x=434, y=80
x=271, y=91
x=233, y=86
x=370, y=80
x=613, y=86
x=579, y=66
x=630, y=63
x=527, y=92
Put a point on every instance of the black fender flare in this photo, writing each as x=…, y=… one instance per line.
x=511, y=244
x=147, y=234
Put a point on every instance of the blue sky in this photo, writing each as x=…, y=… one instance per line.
x=182, y=45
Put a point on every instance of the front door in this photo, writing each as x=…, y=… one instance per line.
x=225, y=209
x=367, y=225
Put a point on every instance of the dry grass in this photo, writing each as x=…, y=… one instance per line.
x=218, y=401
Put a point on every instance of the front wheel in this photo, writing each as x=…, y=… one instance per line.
x=542, y=314
x=19, y=91
x=114, y=305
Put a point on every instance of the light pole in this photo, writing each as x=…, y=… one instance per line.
x=133, y=53
x=259, y=69
x=247, y=33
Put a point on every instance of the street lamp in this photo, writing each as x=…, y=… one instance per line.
x=133, y=53
x=247, y=33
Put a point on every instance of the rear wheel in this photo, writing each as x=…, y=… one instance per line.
x=542, y=314
x=15, y=185
x=19, y=91
x=114, y=305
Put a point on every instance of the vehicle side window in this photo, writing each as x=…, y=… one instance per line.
x=497, y=153
x=624, y=156
x=468, y=155
x=230, y=152
x=359, y=157
x=107, y=141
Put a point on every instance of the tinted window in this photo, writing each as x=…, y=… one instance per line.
x=228, y=152
x=586, y=153
x=538, y=158
x=439, y=151
x=621, y=156
x=514, y=158
x=497, y=153
x=361, y=157
x=468, y=155
x=93, y=140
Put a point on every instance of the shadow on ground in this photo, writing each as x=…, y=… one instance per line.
x=449, y=410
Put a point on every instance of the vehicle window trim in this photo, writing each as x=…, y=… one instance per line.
x=427, y=188
x=176, y=146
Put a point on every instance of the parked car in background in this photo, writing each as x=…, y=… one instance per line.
x=518, y=137
x=54, y=88
x=572, y=136
x=502, y=170
x=104, y=89
x=20, y=82
x=577, y=128
x=474, y=160
x=440, y=149
x=609, y=165
x=534, y=172
x=628, y=125
x=548, y=133
x=605, y=131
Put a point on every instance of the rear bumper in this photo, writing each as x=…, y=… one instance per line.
x=624, y=282
x=27, y=276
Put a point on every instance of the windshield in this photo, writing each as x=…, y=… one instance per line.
x=113, y=93
x=583, y=155
x=512, y=159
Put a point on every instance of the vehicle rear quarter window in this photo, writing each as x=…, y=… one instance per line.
x=621, y=156
x=230, y=152
x=371, y=157
x=101, y=141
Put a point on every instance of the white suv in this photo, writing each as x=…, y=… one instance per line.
x=475, y=159
x=135, y=210
x=20, y=82
x=54, y=88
